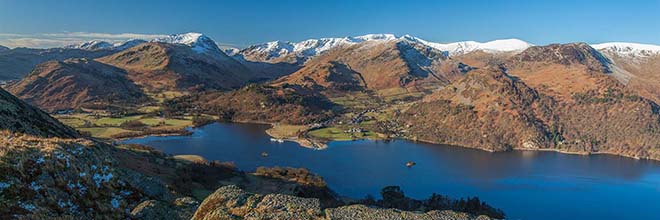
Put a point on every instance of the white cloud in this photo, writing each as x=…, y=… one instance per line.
x=49, y=40
x=122, y=36
x=33, y=42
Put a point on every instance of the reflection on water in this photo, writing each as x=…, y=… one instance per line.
x=525, y=184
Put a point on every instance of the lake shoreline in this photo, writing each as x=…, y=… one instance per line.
x=318, y=144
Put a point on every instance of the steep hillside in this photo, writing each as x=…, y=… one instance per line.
x=164, y=66
x=556, y=97
x=640, y=63
x=20, y=117
x=70, y=84
x=373, y=65
x=487, y=109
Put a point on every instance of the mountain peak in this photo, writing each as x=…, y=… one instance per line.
x=185, y=38
x=506, y=45
x=368, y=37
x=198, y=41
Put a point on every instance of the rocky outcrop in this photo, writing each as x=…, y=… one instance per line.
x=361, y=212
x=70, y=178
x=230, y=202
x=181, y=208
x=46, y=178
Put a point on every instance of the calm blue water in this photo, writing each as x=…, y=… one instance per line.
x=526, y=185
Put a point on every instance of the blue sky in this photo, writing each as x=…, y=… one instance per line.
x=43, y=23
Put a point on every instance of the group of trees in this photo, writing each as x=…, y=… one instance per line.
x=393, y=197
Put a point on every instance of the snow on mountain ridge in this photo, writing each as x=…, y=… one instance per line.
x=198, y=41
x=313, y=47
x=463, y=47
x=90, y=45
x=632, y=50
x=103, y=45
x=127, y=44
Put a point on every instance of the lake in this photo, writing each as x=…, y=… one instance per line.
x=524, y=184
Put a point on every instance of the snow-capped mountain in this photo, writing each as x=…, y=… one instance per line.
x=91, y=45
x=464, y=47
x=308, y=48
x=199, y=42
x=102, y=45
x=312, y=47
x=629, y=50
x=127, y=44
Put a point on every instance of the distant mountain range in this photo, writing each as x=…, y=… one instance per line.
x=300, y=51
x=282, y=51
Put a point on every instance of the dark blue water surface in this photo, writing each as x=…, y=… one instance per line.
x=525, y=184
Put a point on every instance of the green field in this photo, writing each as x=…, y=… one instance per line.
x=104, y=132
x=338, y=134
x=168, y=122
x=285, y=131
x=107, y=127
x=108, y=121
x=149, y=109
x=355, y=100
x=73, y=122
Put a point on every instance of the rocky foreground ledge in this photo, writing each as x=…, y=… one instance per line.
x=59, y=178
x=231, y=202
